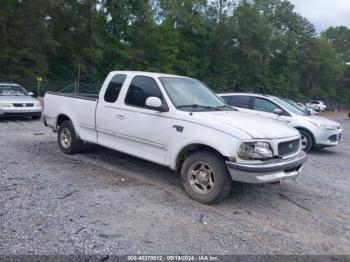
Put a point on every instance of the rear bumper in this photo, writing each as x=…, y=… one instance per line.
x=271, y=171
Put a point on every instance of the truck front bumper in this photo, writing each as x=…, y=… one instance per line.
x=269, y=171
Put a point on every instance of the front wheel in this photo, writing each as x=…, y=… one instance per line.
x=68, y=140
x=205, y=177
x=306, y=141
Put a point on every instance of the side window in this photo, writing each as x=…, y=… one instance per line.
x=226, y=99
x=140, y=89
x=240, y=101
x=113, y=89
x=264, y=105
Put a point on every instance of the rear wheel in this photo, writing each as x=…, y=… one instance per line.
x=306, y=141
x=68, y=140
x=205, y=177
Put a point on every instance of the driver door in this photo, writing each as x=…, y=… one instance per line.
x=146, y=130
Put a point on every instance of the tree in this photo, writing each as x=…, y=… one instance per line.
x=339, y=38
x=22, y=49
x=233, y=45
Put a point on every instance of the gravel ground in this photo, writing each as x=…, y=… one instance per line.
x=105, y=202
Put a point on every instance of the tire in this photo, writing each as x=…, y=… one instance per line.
x=36, y=117
x=67, y=138
x=213, y=182
x=306, y=140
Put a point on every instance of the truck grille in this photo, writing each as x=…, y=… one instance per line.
x=23, y=105
x=289, y=147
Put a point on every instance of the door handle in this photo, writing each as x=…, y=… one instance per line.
x=120, y=116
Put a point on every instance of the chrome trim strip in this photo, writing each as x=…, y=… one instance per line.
x=87, y=126
x=134, y=139
x=113, y=107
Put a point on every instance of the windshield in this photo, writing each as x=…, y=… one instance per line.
x=291, y=106
x=188, y=94
x=11, y=90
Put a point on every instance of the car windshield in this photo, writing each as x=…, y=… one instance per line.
x=291, y=106
x=189, y=94
x=12, y=90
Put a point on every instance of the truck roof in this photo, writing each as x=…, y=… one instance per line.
x=151, y=74
x=8, y=83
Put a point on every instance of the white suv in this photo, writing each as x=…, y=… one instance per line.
x=316, y=132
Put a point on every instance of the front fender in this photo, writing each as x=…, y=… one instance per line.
x=225, y=144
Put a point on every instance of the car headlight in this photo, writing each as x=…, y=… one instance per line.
x=5, y=105
x=255, y=150
x=328, y=127
x=37, y=104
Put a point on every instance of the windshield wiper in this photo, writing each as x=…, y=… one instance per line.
x=220, y=108
x=200, y=106
x=226, y=107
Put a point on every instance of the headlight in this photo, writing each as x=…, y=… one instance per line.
x=5, y=105
x=328, y=127
x=37, y=104
x=254, y=150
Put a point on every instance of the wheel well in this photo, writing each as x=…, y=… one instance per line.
x=61, y=119
x=309, y=132
x=186, y=151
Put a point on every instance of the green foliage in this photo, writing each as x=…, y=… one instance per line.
x=246, y=45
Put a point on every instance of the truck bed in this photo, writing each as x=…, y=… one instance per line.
x=78, y=108
x=91, y=97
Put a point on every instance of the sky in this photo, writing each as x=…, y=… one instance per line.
x=324, y=13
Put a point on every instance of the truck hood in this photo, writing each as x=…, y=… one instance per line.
x=18, y=99
x=255, y=126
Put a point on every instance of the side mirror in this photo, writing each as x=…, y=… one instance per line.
x=278, y=111
x=154, y=102
x=30, y=93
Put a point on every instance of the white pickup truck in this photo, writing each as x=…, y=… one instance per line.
x=177, y=122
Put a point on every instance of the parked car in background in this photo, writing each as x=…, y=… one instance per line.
x=304, y=107
x=15, y=101
x=177, y=122
x=316, y=132
x=319, y=106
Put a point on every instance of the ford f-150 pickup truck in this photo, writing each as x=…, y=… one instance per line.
x=177, y=122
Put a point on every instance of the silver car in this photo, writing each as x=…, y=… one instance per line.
x=316, y=132
x=15, y=101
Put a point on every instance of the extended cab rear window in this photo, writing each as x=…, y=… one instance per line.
x=114, y=87
x=239, y=101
